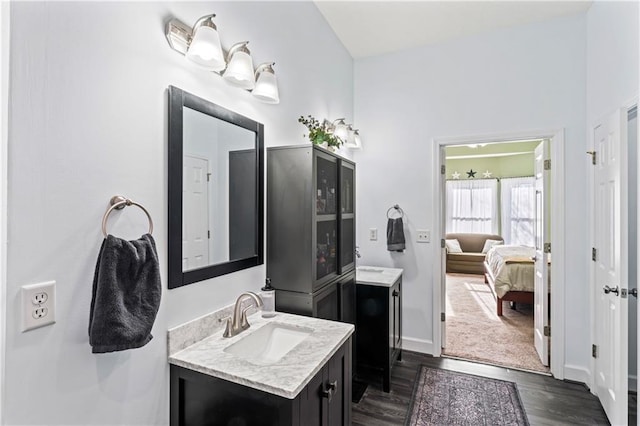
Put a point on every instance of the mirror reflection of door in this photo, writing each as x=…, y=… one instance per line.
x=195, y=224
x=219, y=193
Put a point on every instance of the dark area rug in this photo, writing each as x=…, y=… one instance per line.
x=442, y=397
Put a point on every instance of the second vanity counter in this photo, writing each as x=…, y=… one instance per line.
x=377, y=275
x=285, y=377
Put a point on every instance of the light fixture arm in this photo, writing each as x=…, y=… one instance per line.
x=206, y=21
x=265, y=67
x=238, y=47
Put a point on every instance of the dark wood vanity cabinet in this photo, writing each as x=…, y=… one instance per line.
x=379, y=329
x=198, y=399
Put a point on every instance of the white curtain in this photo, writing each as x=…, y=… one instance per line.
x=472, y=206
x=517, y=197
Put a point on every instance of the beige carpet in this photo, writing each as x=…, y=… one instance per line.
x=475, y=332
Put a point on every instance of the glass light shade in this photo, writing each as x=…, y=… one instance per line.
x=341, y=131
x=205, y=50
x=266, y=89
x=357, y=142
x=239, y=72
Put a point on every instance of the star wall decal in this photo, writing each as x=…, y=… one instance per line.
x=455, y=175
x=486, y=174
x=471, y=174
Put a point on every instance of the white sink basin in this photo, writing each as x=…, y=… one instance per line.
x=269, y=343
x=376, y=270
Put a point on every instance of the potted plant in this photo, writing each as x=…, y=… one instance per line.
x=321, y=133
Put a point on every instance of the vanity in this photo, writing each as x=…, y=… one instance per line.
x=378, y=321
x=285, y=370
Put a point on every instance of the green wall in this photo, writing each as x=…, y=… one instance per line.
x=507, y=166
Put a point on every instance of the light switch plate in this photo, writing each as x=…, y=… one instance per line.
x=373, y=234
x=38, y=305
x=424, y=235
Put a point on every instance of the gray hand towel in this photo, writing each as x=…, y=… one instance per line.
x=126, y=294
x=395, y=235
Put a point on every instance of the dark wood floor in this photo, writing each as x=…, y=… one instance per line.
x=547, y=401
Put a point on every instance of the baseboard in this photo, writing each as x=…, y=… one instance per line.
x=417, y=345
x=577, y=374
x=633, y=383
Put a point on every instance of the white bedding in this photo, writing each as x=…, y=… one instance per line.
x=511, y=274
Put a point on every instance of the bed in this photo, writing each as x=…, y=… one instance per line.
x=510, y=271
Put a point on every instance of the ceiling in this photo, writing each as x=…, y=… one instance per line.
x=369, y=28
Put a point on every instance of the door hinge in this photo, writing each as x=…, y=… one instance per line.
x=442, y=316
x=547, y=247
x=443, y=169
x=442, y=243
x=594, y=253
x=209, y=234
x=547, y=331
x=593, y=157
x=208, y=177
x=547, y=164
x=594, y=351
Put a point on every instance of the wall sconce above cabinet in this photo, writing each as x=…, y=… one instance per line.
x=201, y=45
x=345, y=132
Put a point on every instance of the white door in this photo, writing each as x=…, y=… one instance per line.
x=195, y=213
x=541, y=276
x=610, y=239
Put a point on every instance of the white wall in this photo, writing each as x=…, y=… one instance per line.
x=89, y=106
x=612, y=57
x=511, y=80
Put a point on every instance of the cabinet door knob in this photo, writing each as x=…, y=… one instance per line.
x=328, y=391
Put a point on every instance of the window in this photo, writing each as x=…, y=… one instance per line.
x=472, y=206
x=518, y=210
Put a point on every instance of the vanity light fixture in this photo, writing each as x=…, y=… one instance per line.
x=266, y=89
x=201, y=44
x=239, y=70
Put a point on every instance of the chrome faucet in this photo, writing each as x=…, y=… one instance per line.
x=238, y=322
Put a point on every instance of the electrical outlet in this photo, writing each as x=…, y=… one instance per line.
x=373, y=234
x=38, y=305
x=424, y=235
x=39, y=298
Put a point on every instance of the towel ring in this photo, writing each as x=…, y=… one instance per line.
x=397, y=209
x=118, y=202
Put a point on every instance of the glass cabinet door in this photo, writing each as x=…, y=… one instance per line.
x=326, y=218
x=347, y=216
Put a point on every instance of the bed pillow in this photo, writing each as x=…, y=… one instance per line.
x=490, y=243
x=453, y=246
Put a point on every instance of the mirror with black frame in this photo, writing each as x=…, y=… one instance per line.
x=216, y=190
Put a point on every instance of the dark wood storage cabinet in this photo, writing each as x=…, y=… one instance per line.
x=379, y=328
x=311, y=231
x=198, y=399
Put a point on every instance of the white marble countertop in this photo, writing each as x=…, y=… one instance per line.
x=287, y=376
x=377, y=275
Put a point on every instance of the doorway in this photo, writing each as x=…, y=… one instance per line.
x=495, y=199
x=556, y=156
